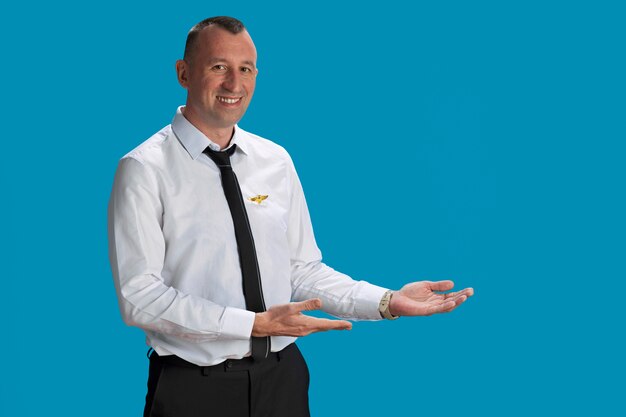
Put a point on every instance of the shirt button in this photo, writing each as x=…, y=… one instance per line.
x=229, y=364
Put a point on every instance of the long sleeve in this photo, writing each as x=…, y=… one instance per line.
x=341, y=295
x=137, y=249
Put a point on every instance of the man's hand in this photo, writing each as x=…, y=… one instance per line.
x=288, y=320
x=420, y=298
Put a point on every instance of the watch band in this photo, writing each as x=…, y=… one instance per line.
x=383, y=307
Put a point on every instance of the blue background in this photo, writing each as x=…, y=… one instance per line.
x=476, y=141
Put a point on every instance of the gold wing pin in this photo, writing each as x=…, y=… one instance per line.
x=259, y=198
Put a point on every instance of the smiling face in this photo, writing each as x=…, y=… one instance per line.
x=219, y=75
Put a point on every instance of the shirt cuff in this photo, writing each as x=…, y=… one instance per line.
x=237, y=323
x=366, y=306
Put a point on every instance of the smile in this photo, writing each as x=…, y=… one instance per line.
x=228, y=100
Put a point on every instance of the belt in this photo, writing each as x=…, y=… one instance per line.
x=229, y=365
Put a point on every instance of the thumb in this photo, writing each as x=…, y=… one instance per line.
x=441, y=285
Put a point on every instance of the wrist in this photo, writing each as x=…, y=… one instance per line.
x=384, y=307
x=259, y=328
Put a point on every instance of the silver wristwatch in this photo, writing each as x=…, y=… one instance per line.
x=383, y=307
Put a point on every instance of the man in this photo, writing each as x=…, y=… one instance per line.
x=213, y=252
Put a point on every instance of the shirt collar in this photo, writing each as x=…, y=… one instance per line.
x=195, y=142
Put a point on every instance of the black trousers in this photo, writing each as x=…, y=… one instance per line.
x=275, y=387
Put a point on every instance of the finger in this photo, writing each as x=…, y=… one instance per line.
x=306, y=305
x=450, y=295
x=457, y=302
x=462, y=297
x=443, y=308
x=441, y=285
x=447, y=305
x=322, y=325
x=460, y=300
x=468, y=292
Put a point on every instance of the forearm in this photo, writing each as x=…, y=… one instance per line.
x=149, y=304
x=341, y=295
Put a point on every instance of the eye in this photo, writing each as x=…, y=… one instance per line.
x=247, y=71
x=219, y=68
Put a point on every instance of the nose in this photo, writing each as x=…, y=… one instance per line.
x=232, y=81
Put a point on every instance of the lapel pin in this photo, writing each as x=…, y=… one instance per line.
x=258, y=199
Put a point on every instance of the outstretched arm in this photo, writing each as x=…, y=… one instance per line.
x=422, y=298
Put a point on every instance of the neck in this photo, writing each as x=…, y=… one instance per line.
x=219, y=135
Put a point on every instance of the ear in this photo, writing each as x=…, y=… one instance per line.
x=182, y=71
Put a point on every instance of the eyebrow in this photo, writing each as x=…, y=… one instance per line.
x=214, y=60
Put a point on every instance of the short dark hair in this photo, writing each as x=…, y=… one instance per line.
x=231, y=24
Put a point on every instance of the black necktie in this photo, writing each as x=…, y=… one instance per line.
x=251, y=277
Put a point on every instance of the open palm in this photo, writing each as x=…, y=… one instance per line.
x=424, y=298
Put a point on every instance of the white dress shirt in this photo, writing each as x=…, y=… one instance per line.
x=174, y=255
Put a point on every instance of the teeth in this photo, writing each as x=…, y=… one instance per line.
x=228, y=100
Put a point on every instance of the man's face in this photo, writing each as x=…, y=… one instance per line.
x=220, y=78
